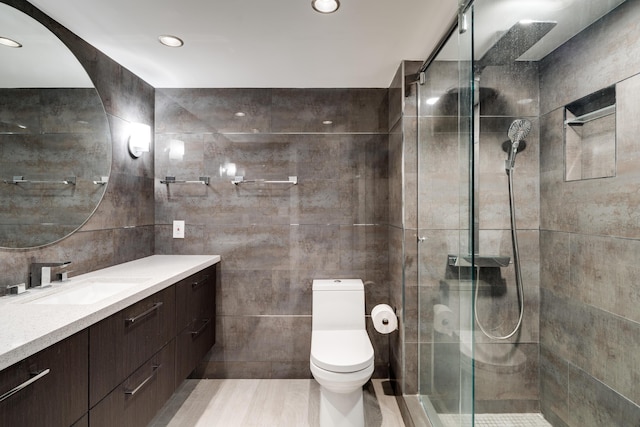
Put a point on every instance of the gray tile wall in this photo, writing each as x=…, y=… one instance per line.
x=275, y=239
x=590, y=237
x=122, y=228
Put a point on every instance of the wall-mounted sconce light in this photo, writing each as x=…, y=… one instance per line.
x=325, y=6
x=139, y=139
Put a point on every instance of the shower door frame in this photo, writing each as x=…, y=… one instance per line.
x=467, y=204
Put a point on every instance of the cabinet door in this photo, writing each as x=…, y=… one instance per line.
x=121, y=343
x=135, y=402
x=56, y=383
x=196, y=311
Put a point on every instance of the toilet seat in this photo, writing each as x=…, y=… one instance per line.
x=341, y=351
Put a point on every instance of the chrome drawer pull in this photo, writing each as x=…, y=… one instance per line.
x=141, y=316
x=143, y=383
x=24, y=384
x=199, y=282
x=202, y=328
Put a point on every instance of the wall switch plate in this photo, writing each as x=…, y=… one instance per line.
x=178, y=229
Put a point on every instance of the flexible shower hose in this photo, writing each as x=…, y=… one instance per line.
x=516, y=265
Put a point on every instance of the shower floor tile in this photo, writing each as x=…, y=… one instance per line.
x=281, y=403
x=498, y=420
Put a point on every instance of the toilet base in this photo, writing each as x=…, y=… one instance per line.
x=341, y=409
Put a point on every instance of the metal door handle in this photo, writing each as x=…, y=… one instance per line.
x=25, y=384
x=196, y=284
x=202, y=328
x=143, y=383
x=141, y=316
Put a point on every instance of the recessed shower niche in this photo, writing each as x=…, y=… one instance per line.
x=590, y=136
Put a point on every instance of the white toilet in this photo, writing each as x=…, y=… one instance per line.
x=341, y=352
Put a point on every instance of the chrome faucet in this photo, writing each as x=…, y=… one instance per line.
x=43, y=273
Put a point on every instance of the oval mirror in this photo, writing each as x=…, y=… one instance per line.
x=55, y=142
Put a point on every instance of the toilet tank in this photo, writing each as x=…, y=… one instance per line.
x=338, y=304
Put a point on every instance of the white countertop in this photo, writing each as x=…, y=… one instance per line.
x=26, y=328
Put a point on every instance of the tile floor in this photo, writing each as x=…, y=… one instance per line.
x=499, y=420
x=269, y=403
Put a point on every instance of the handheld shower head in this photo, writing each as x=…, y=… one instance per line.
x=518, y=131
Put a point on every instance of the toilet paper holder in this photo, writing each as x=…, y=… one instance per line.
x=384, y=318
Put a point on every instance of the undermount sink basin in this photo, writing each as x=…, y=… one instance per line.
x=88, y=291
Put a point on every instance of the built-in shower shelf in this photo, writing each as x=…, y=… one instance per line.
x=479, y=261
x=589, y=117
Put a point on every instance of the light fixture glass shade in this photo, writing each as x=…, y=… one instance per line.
x=139, y=139
x=325, y=6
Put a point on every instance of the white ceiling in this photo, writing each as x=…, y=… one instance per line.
x=258, y=43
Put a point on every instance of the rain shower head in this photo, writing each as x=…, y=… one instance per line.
x=515, y=42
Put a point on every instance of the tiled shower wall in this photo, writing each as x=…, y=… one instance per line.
x=122, y=227
x=274, y=239
x=590, y=237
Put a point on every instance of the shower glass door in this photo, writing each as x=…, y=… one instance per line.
x=445, y=207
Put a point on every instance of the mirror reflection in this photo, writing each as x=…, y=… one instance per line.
x=55, y=144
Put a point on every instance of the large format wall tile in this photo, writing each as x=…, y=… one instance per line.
x=593, y=340
x=213, y=110
x=589, y=324
x=275, y=239
x=349, y=110
x=592, y=60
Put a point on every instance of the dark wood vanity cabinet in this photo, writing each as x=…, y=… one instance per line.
x=55, y=386
x=136, y=400
x=195, y=318
x=121, y=343
x=140, y=355
x=121, y=370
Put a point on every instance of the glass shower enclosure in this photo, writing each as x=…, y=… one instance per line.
x=522, y=166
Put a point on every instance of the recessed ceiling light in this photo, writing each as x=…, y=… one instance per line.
x=240, y=114
x=327, y=122
x=170, y=41
x=9, y=43
x=325, y=6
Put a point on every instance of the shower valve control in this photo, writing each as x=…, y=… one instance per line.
x=421, y=239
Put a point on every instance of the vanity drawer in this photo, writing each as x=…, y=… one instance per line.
x=136, y=400
x=193, y=344
x=121, y=343
x=195, y=298
x=55, y=384
x=195, y=314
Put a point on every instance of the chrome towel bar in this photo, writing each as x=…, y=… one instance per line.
x=240, y=180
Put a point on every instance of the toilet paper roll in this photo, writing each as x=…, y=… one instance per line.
x=384, y=319
x=443, y=319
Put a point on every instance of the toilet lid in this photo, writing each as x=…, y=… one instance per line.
x=341, y=351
